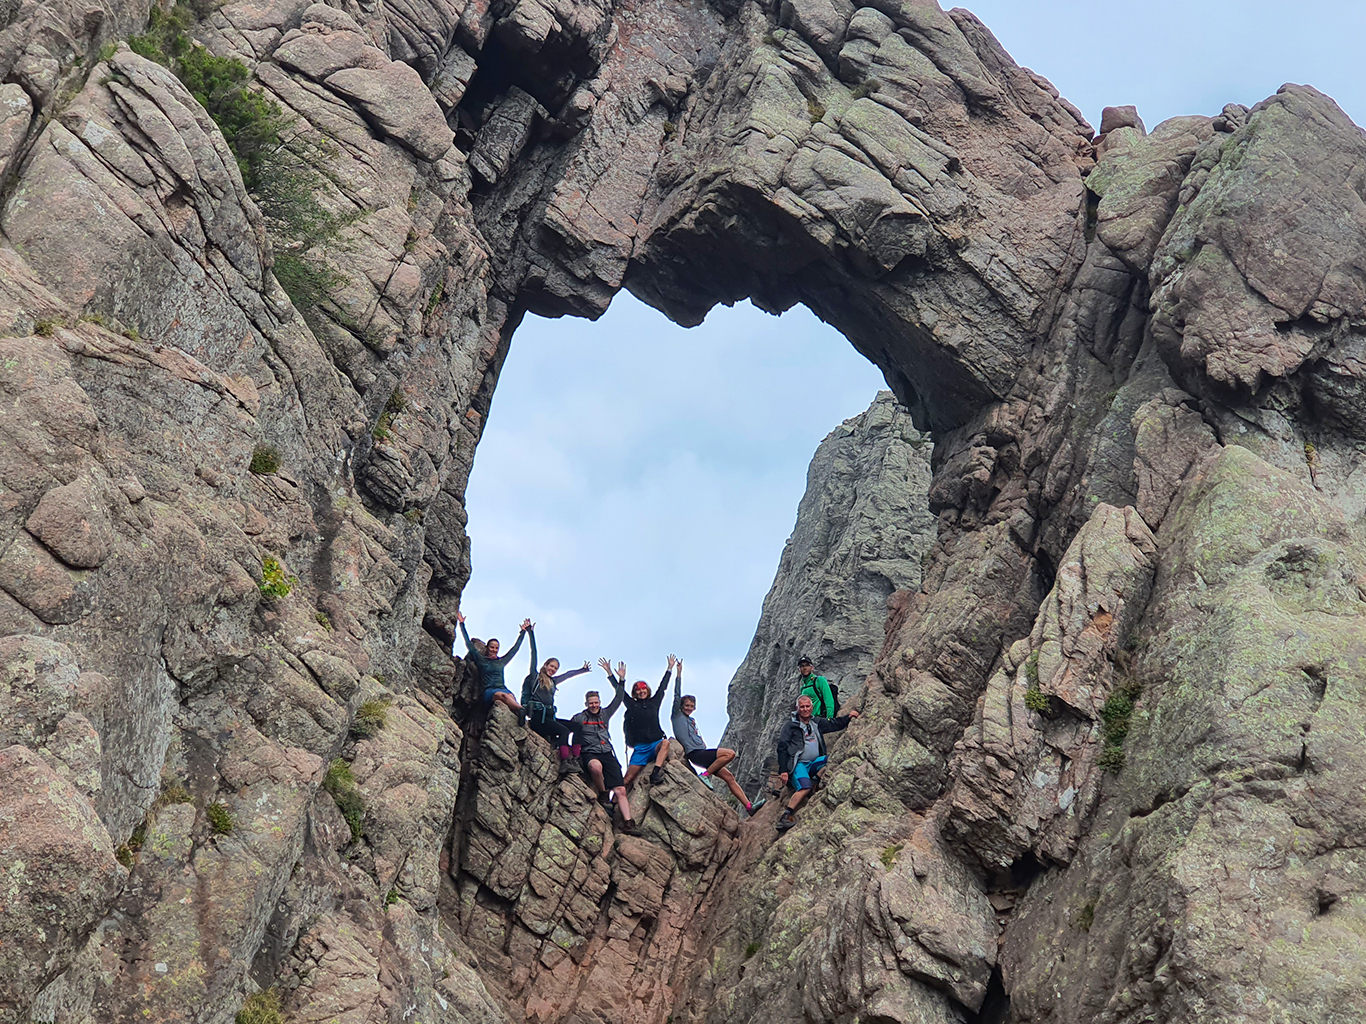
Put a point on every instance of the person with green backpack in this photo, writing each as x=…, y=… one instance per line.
x=825, y=696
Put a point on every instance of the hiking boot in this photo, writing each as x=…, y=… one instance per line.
x=630, y=827
x=656, y=773
x=754, y=807
x=606, y=800
x=785, y=821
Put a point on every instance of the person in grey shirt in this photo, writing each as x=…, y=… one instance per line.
x=712, y=760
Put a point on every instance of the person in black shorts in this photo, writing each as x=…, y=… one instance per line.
x=599, y=760
x=712, y=760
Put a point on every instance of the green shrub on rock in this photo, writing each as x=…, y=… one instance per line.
x=261, y=1008
x=274, y=582
x=372, y=717
x=340, y=784
x=220, y=819
x=265, y=460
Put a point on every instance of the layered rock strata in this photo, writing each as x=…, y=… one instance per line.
x=863, y=528
x=228, y=517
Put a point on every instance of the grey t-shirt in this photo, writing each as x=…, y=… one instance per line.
x=812, y=736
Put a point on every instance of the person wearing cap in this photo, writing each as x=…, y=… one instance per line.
x=712, y=760
x=823, y=700
x=801, y=754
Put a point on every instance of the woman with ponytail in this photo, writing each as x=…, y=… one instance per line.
x=538, y=697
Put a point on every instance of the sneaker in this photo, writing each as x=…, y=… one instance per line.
x=785, y=821
x=754, y=807
x=656, y=773
x=706, y=781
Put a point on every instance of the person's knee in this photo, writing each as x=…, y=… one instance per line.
x=725, y=754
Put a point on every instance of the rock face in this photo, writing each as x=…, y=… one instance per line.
x=1108, y=761
x=863, y=528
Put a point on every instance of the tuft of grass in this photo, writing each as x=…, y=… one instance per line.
x=865, y=88
x=1032, y=670
x=124, y=856
x=173, y=791
x=396, y=404
x=47, y=326
x=889, y=853
x=815, y=109
x=107, y=52
x=261, y=1008
x=340, y=784
x=1111, y=760
x=413, y=515
x=265, y=460
x=324, y=620
x=750, y=949
x=1036, y=700
x=1086, y=916
x=220, y=819
x=670, y=129
x=372, y=717
x=391, y=897
x=1116, y=714
x=437, y=294
x=274, y=583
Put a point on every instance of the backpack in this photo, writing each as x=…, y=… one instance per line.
x=821, y=712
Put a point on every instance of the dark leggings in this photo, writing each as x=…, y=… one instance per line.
x=555, y=731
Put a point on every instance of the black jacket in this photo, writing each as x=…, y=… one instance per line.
x=792, y=738
x=641, y=723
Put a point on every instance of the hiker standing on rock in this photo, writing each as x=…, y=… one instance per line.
x=599, y=760
x=491, y=666
x=538, y=697
x=644, y=735
x=801, y=753
x=712, y=760
x=825, y=697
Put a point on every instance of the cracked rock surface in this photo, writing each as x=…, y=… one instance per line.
x=1108, y=765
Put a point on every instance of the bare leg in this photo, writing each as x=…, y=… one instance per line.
x=623, y=803
x=662, y=754
x=631, y=772
x=725, y=776
x=508, y=701
x=797, y=799
x=595, y=776
x=724, y=756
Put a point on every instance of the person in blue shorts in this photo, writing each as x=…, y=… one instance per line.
x=490, y=666
x=801, y=754
x=644, y=735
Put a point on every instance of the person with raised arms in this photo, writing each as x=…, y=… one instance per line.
x=600, y=764
x=538, y=697
x=490, y=666
x=712, y=760
x=644, y=735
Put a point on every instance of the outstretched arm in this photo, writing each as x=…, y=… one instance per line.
x=464, y=632
x=663, y=687
x=678, y=690
x=570, y=674
x=527, y=626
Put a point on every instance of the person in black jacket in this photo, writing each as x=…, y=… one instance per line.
x=538, y=697
x=644, y=734
x=801, y=753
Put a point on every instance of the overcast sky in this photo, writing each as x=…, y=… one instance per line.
x=636, y=481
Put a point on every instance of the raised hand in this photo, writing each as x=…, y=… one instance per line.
x=604, y=664
x=680, y=666
x=853, y=714
x=621, y=670
x=527, y=624
x=459, y=616
x=585, y=663
x=672, y=662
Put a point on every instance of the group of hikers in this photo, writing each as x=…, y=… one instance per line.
x=585, y=745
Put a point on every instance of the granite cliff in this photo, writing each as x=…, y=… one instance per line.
x=260, y=263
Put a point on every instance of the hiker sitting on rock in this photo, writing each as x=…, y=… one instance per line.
x=598, y=758
x=825, y=697
x=491, y=666
x=801, y=753
x=712, y=760
x=538, y=697
x=644, y=735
